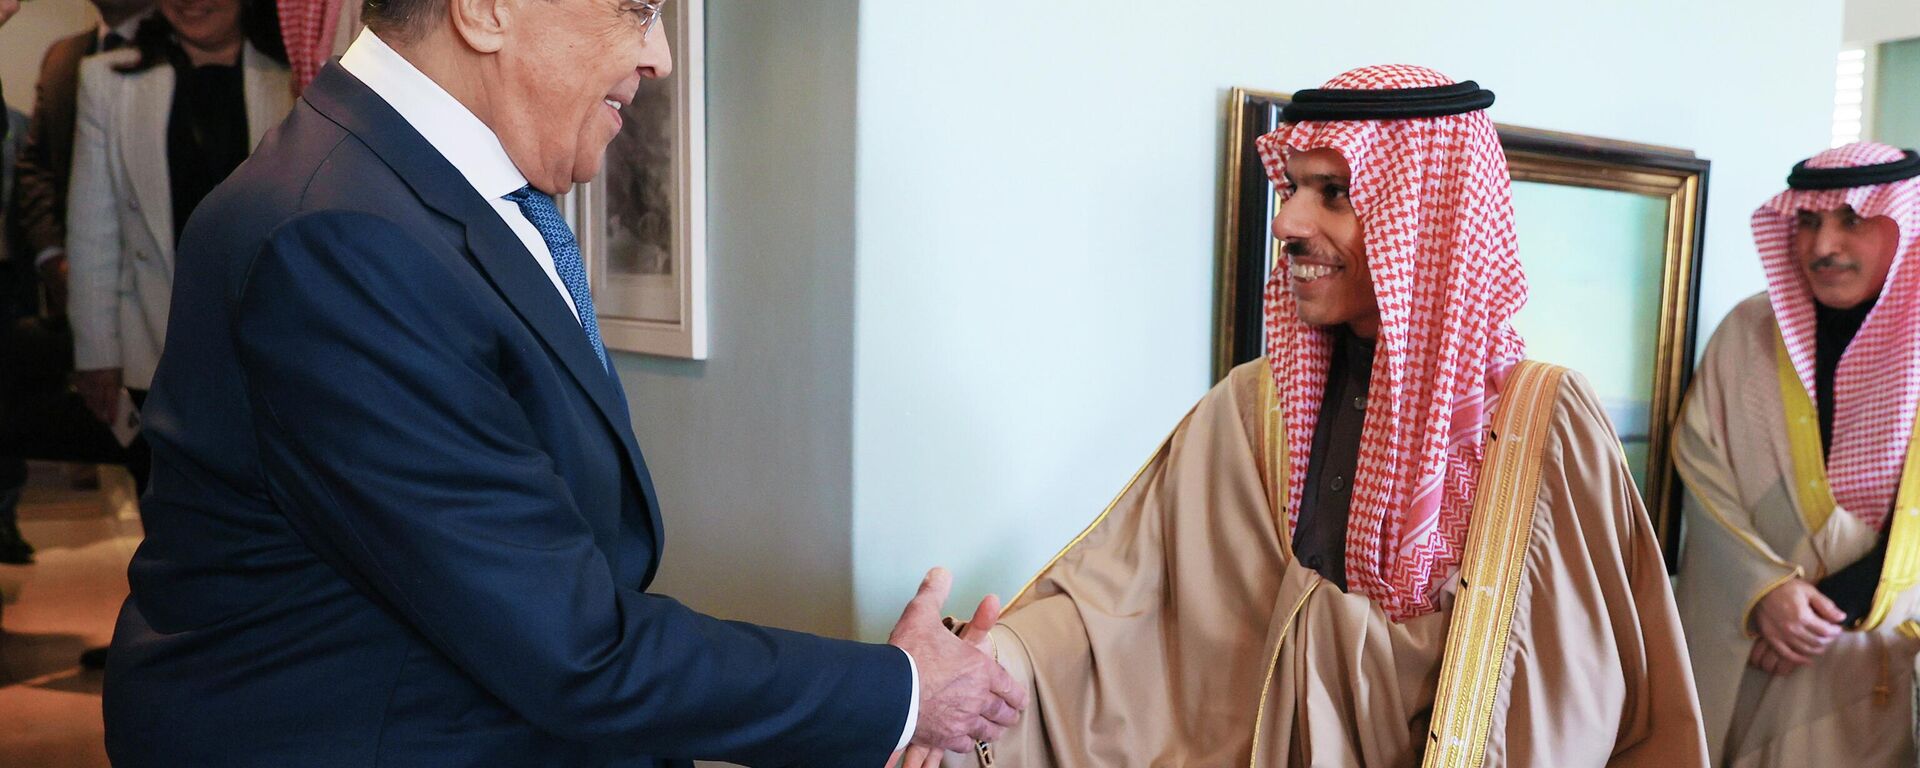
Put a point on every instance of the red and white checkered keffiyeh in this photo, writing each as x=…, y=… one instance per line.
x=1435, y=203
x=308, y=27
x=1877, y=386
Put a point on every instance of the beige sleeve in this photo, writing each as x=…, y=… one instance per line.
x=1027, y=739
x=1597, y=661
x=1145, y=641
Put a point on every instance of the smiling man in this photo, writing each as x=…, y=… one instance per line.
x=1291, y=580
x=1797, y=586
x=398, y=516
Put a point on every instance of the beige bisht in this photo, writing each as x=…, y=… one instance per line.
x=1765, y=503
x=1179, y=631
x=1745, y=536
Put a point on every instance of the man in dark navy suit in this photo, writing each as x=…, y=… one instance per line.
x=397, y=514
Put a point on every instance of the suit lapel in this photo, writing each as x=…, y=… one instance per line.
x=143, y=146
x=497, y=252
x=518, y=277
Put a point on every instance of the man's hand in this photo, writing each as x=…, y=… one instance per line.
x=7, y=9
x=978, y=633
x=53, y=277
x=101, y=390
x=964, y=696
x=1795, y=623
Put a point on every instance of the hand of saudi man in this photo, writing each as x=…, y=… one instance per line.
x=976, y=632
x=1795, y=623
x=965, y=697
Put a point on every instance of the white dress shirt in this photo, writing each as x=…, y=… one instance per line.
x=476, y=152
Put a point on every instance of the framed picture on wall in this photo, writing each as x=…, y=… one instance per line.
x=643, y=223
x=1611, y=235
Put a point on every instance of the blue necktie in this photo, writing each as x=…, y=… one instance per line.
x=539, y=209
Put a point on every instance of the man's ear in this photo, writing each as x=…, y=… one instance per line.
x=482, y=24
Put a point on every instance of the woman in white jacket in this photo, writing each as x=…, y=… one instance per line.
x=159, y=124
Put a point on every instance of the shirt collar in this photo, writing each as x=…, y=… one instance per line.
x=448, y=125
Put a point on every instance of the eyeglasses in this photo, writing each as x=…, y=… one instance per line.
x=649, y=13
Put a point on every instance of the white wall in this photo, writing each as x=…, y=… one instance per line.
x=25, y=39
x=1877, y=21
x=1037, y=206
x=750, y=449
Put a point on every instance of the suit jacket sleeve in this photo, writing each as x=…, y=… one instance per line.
x=40, y=205
x=94, y=252
x=389, y=438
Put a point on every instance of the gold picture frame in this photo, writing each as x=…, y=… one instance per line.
x=1664, y=187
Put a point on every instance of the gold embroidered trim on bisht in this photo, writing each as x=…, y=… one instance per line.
x=1493, y=568
x=1901, y=571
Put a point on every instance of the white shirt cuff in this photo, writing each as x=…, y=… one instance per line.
x=47, y=254
x=913, y=704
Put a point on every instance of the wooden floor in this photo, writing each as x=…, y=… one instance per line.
x=58, y=607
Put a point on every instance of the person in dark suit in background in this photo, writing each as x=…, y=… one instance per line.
x=398, y=515
x=13, y=549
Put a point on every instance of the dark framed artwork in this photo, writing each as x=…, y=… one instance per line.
x=1611, y=235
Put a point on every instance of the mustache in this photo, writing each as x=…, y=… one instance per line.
x=1316, y=251
x=1832, y=262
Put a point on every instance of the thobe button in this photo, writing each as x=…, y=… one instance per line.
x=1339, y=483
x=1360, y=403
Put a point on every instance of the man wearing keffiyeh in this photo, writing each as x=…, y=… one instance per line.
x=1803, y=478
x=1393, y=540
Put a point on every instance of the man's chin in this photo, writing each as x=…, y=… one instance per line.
x=588, y=171
x=1840, y=300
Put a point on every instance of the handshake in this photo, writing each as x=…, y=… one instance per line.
x=966, y=698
